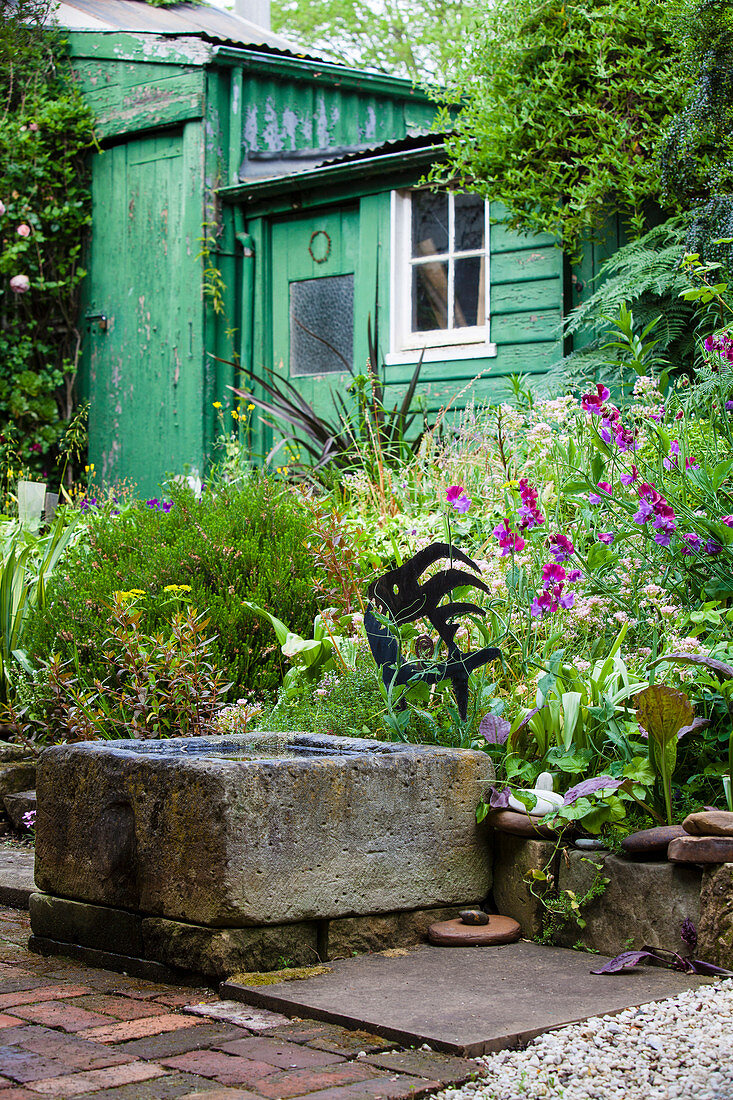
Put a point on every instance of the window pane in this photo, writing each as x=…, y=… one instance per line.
x=429, y=223
x=322, y=314
x=470, y=223
x=469, y=292
x=429, y=296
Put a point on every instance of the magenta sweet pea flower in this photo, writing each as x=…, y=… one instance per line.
x=509, y=541
x=629, y=479
x=727, y=520
x=457, y=498
x=553, y=573
x=574, y=576
x=593, y=402
x=606, y=537
x=712, y=546
x=561, y=547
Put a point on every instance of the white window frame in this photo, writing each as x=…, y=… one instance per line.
x=438, y=345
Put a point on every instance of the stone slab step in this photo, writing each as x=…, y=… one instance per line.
x=463, y=1000
x=17, y=805
x=16, y=876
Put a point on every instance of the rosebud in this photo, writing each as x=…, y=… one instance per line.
x=34, y=127
x=23, y=230
x=19, y=284
x=2, y=208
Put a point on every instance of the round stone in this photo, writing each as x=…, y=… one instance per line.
x=651, y=844
x=473, y=916
x=454, y=933
x=709, y=823
x=518, y=824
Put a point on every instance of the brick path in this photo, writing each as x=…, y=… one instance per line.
x=69, y=1030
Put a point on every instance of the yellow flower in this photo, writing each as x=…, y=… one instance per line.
x=217, y=404
x=250, y=407
x=235, y=414
x=177, y=588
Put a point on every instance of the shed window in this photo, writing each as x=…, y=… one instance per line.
x=440, y=270
x=322, y=325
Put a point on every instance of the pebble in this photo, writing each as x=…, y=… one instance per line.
x=677, y=1049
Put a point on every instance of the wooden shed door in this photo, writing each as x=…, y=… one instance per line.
x=314, y=265
x=145, y=378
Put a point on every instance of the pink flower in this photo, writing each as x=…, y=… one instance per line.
x=574, y=576
x=593, y=402
x=727, y=520
x=23, y=230
x=34, y=127
x=629, y=479
x=607, y=537
x=19, y=284
x=553, y=573
x=2, y=208
x=456, y=497
x=530, y=515
x=561, y=547
x=509, y=541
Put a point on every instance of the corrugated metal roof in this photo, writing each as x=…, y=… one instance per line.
x=179, y=19
x=418, y=140
x=263, y=164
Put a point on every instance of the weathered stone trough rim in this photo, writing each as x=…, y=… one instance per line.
x=206, y=748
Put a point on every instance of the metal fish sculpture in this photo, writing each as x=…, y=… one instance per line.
x=403, y=599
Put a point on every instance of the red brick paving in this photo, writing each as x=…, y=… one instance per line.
x=68, y=1030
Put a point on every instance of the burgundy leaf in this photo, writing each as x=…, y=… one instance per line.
x=698, y=724
x=499, y=799
x=701, y=967
x=590, y=786
x=724, y=670
x=494, y=729
x=626, y=961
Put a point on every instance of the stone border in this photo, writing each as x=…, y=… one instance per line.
x=643, y=903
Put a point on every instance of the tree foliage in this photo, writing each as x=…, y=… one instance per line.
x=45, y=130
x=401, y=37
x=564, y=104
x=697, y=152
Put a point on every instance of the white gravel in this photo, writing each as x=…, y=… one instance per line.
x=669, y=1050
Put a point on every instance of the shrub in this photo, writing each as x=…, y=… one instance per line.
x=245, y=543
x=45, y=131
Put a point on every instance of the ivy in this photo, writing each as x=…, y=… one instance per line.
x=564, y=104
x=45, y=131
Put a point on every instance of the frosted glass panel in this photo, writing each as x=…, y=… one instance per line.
x=322, y=325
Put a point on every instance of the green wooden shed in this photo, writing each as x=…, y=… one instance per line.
x=251, y=205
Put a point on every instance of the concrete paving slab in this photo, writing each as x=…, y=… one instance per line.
x=464, y=1000
x=16, y=876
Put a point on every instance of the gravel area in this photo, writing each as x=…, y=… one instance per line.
x=669, y=1050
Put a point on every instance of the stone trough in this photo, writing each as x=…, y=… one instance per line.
x=240, y=853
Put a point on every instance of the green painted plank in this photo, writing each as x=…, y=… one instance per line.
x=121, y=45
x=518, y=266
x=119, y=109
x=519, y=297
x=526, y=328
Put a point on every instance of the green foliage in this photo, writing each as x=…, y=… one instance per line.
x=565, y=101
x=231, y=546
x=563, y=907
x=45, y=130
x=697, y=152
x=28, y=562
x=152, y=685
x=646, y=273
x=400, y=37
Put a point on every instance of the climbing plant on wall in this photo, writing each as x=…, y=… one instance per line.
x=45, y=130
x=697, y=151
x=565, y=101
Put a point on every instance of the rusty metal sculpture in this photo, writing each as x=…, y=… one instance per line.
x=401, y=598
